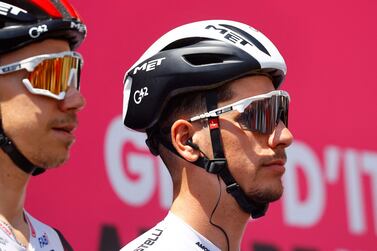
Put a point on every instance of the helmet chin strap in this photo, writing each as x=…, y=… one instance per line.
x=16, y=156
x=219, y=165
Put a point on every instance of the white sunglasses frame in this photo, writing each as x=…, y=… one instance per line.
x=29, y=65
x=239, y=106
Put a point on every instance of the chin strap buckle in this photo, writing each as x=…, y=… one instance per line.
x=232, y=188
x=3, y=140
x=216, y=165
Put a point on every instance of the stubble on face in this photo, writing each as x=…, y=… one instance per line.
x=249, y=154
x=260, y=182
x=33, y=133
x=48, y=161
x=29, y=118
x=267, y=185
x=49, y=158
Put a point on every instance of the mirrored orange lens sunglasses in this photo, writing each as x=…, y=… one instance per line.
x=50, y=74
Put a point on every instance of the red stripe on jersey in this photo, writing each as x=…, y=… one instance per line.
x=48, y=7
x=70, y=9
x=32, y=230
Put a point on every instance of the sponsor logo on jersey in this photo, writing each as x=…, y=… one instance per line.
x=202, y=246
x=43, y=240
x=3, y=241
x=6, y=229
x=150, y=241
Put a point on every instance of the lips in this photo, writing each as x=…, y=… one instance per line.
x=275, y=165
x=68, y=128
x=277, y=162
x=64, y=133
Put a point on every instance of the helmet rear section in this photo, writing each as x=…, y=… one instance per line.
x=28, y=21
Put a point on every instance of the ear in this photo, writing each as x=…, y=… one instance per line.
x=181, y=132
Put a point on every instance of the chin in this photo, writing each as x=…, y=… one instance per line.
x=52, y=160
x=266, y=194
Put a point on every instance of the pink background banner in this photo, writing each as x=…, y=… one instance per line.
x=112, y=189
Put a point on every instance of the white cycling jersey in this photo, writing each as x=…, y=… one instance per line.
x=171, y=234
x=42, y=237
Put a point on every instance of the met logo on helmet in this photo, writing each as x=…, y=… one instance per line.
x=6, y=9
x=238, y=36
x=229, y=35
x=149, y=66
x=78, y=26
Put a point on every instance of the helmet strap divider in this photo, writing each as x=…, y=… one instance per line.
x=219, y=164
x=16, y=156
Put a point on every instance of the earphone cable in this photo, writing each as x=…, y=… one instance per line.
x=213, y=212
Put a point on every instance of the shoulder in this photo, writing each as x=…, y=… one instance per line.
x=169, y=235
x=43, y=235
x=150, y=240
x=65, y=243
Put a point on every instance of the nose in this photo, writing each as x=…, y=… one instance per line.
x=73, y=101
x=280, y=137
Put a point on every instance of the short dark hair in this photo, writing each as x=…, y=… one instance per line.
x=183, y=106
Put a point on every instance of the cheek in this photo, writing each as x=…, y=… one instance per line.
x=244, y=150
x=24, y=124
x=22, y=116
x=241, y=153
x=21, y=106
x=240, y=144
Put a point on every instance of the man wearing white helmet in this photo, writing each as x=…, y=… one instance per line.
x=39, y=101
x=206, y=96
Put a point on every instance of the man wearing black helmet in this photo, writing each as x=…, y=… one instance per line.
x=39, y=101
x=206, y=96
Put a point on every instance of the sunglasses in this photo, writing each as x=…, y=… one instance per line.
x=50, y=74
x=260, y=113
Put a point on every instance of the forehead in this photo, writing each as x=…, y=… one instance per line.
x=249, y=86
x=44, y=47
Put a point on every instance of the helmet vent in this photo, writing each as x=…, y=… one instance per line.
x=184, y=43
x=205, y=58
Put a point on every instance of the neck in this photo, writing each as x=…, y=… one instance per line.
x=13, y=182
x=202, y=199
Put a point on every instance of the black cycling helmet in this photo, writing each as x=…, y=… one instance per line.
x=196, y=56
x=23, y=22
x=27, y=21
